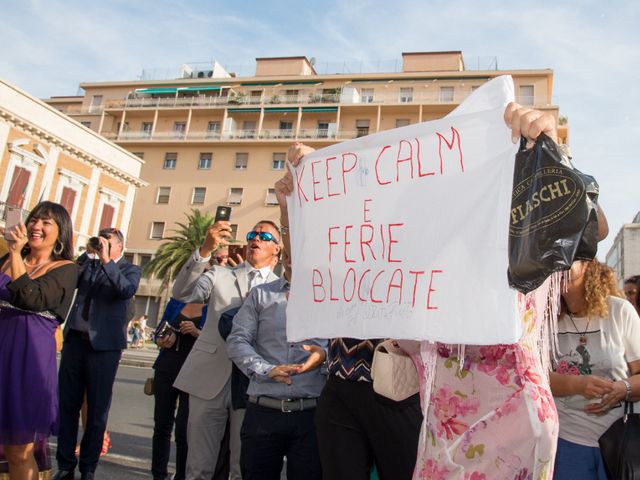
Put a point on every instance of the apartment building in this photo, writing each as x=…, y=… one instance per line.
x=624, y=254
x=45, y=155
x=210, y=137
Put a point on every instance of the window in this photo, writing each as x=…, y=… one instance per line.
x=163, y=194
x=96, y=103
x=366, y=95
x=446, y=94
x=179, y=128
x=526, y=94
x=402, y=122
x=140, y=155
x=125, y=126
x=213, y=130
x=235, y=196
x=323, y=129
x=157, y=230
x=106, y=219
x=286, y=129
x=248, y=129
x=67, y=199
x=255, y=96
x=242, y=160
x=271, y=199
x=86, y=124
x=170, y=160
x=362, y=127
x=146, y=129
x=144, y=261
x=198, y=195
x=18, y=187
x=291, y=96
x=205, y=161
x=129, y=258
x=278, y=161
x=406, y=95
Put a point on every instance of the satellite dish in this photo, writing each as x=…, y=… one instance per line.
x=312, y=61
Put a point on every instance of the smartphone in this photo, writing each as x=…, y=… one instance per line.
x=223, y=213
x=234, y=250
x=13, y=218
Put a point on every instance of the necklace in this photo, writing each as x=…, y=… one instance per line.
x=583, y=336
x=36, y=266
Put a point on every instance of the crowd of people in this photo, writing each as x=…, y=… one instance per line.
x=241, y=398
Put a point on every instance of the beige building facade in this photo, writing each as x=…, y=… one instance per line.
x=46, y=155
x=210, y=138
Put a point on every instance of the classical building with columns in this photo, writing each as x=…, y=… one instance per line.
x=46, y=155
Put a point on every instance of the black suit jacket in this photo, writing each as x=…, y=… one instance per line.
x=103, y=297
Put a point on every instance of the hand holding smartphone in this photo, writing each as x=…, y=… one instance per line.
x=13, y=218
x=223, y=214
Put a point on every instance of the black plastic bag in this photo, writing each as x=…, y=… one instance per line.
x=620, y=444
x=553, y=217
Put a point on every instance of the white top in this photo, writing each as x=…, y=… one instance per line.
x=610, y=344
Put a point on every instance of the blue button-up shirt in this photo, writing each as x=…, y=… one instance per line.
x=258, y=343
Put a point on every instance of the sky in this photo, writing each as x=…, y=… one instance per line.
x=49, y=47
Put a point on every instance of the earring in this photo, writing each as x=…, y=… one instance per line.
x=59, y=247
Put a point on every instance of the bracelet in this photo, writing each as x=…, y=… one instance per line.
x=627, y=385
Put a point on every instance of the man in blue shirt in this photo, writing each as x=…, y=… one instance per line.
x=285, y=383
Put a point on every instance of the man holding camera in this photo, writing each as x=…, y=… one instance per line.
x=95, y=335
x=206, y=374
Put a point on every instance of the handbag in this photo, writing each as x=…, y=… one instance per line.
x=620, y=445
x=148, y=386
x=393, y=372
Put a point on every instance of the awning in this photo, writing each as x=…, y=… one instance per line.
x=158, y=90
x=208, y=88
x=319, y=109
x=244, y=110
x=280, y=109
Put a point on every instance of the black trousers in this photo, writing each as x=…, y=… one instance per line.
x=167, y=397
x=357, y=427
x=268, y=435
x=84, y=369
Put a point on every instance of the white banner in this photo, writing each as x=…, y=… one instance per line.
x=403, y=233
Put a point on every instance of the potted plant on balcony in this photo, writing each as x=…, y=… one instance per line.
x=274, y=99
x=238, y=97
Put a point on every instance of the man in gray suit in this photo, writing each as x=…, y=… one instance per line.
x=206, y=374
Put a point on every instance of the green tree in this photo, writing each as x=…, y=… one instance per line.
x=172, y=255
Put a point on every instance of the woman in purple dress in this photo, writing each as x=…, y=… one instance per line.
x=37, y=281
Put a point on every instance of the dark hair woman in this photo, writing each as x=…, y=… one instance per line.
x=37, y=281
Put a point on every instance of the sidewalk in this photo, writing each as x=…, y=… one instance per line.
x=139, y=357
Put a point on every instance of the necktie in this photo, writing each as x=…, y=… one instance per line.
x=254, y=278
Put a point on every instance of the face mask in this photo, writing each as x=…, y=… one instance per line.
x=92, y=256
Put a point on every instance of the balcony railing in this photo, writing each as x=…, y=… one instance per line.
x=435, y=97
x=252, y=134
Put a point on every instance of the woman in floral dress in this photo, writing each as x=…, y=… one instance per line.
x=491, y=416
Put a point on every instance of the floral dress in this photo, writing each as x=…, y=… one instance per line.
x=491, y=417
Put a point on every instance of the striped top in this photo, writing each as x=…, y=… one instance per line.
x=351, y=358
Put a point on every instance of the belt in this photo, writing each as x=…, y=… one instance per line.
x=286, y=406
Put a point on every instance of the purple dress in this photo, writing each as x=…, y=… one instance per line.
x=28, y=380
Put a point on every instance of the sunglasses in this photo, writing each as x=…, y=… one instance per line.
x=264, y=236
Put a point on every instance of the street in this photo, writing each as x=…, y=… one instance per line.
x=131, y=429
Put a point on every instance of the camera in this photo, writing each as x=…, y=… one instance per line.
x=94, y=244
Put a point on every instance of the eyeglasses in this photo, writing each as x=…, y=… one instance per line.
x=264, y=236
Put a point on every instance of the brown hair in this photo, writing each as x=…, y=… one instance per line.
x=599, y=283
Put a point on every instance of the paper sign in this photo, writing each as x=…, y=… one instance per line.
x=403, y=234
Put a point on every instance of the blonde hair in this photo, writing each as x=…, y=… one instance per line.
x=599, y=283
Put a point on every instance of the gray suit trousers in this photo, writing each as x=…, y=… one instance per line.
x=205, y=429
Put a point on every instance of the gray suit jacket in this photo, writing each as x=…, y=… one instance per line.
x=207, y=367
